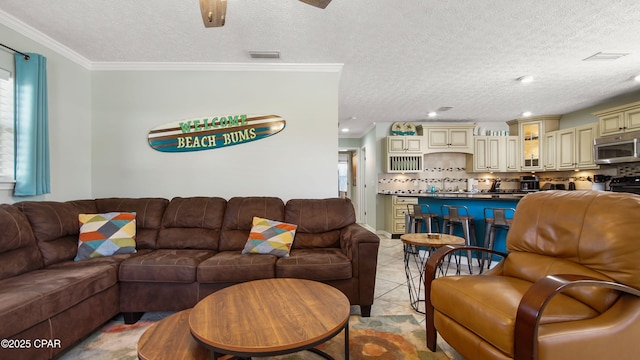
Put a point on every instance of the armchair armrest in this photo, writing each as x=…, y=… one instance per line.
x=431, y=268
x=536, y=299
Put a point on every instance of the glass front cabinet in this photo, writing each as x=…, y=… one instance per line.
x=531, y=132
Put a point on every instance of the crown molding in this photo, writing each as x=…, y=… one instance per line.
x=33, y=34
x=205, y=66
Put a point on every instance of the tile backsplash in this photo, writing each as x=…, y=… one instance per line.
x=448, y=172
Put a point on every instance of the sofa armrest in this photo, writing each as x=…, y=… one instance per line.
x=433, y=263
x=536, y=299
x=361, y=247
x=352, y=236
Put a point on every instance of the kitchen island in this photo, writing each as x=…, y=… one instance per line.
x=476, y=203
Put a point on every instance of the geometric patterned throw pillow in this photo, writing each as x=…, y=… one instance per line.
x=270, y=237
x=106, y=234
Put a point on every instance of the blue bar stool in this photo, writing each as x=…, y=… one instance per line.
x=459, y=215
x=495, y=219
x=421, y=214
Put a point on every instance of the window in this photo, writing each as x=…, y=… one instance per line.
x=6, y=127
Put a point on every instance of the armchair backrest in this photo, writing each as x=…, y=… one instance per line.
x=591, y=233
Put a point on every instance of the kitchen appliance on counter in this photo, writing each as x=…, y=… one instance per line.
x=630, y=184
x=599, y=181
x=529, y=183
x=619, y=148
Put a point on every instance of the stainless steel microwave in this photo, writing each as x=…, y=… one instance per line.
x=620, y=148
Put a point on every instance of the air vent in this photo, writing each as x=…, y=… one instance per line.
x=269, y=54
x=601, y=56
x=445, y=108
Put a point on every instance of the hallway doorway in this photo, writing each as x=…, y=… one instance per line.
x=348, y=173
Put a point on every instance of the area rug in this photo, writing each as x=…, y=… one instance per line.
x=393, y=337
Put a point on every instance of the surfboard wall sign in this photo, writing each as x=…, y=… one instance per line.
x=213, y=132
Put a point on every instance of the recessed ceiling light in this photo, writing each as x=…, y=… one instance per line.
x=526, y=114
x=637, y=78
x=432, y=114
x=345, y=130
x=525, y=79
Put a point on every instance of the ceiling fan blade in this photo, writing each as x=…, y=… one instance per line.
x=214, y=12
x=317, y=3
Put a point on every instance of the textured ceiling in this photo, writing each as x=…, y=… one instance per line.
x=401, y=59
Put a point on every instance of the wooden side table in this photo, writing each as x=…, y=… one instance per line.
x=417, y=247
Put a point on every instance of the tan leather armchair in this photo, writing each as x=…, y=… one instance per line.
x=567, y=288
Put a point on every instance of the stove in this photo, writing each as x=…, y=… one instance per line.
x=630, y=184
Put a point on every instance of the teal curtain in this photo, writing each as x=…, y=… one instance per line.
x=31, y=127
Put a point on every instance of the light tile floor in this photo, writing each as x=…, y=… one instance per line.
x=391, y=293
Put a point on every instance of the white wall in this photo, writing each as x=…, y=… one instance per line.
x=69, y=86
x=299, y=162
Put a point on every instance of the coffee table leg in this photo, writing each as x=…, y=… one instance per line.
x=346, y=341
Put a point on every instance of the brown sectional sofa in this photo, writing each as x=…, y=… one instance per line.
x=187, y=248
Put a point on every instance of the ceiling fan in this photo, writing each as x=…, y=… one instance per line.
x=214, y=12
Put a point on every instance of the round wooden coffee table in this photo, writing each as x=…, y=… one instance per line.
x=417, y=247
x=270, y=317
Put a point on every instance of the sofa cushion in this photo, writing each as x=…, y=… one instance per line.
x=315, y=264
x=55, y=226
x=319, y=221
x=233, y=267
x=192, y=223
x=19, y=252
x=30, y=298
x=149, y=212
x=164, y=265
x=238, y=219
x=270, y=237
x=106, y=234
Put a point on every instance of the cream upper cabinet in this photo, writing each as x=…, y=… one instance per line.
x=489, y=153
x=573, y=148
x=619, y=119
x=448, y=138
x=584, y=146
x=404, y=154
x=404, y=144
x=531, y=132
x=549, y=162
x=566, y=153
x=512, y=158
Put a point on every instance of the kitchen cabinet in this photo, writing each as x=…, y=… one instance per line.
x=404, y=154
x=495, y=154
x=404, y=144
x=396, y=207
x=575, y=147
x=531, y=132
x=512, y=160
x=619, y=119
x=566, y=145
x=550, y=159
x=489, y=153
x=448, y=138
